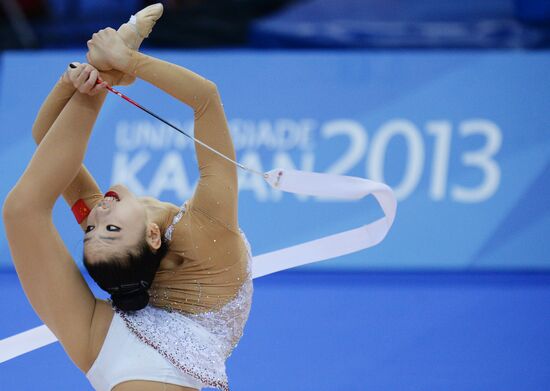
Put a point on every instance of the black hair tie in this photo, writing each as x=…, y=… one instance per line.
x=129, y=289
x=130, y=297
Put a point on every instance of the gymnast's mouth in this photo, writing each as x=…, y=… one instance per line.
x=112, y=194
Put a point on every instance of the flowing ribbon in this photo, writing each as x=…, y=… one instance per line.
x=25, y=342
x=334, y=186
x=292, y=181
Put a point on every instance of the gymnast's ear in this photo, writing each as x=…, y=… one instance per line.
x=153, y=236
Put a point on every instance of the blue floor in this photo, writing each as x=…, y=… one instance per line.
x=397, y=332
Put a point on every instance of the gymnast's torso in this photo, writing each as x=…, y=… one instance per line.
x=207, y=259
x=206, y=264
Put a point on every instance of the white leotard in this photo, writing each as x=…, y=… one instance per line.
x=124, y=357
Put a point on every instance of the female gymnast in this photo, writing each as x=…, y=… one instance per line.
x=179, y=278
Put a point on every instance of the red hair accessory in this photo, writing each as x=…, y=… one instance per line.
x=80, y=210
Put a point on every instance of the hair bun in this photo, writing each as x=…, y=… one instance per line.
x=131, y=302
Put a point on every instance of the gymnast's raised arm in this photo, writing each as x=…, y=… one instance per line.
x=217, y=190
x=83, y=185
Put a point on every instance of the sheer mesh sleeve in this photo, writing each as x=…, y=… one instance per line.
x=217, y=193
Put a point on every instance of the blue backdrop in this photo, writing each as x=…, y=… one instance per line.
x=461, y=137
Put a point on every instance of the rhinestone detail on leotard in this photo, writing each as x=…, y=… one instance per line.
x=170, y=230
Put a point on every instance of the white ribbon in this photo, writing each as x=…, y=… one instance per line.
x=292, y=181
x=24, y=342
x=334, y=186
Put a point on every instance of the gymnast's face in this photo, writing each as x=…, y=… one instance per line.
x=116, y=225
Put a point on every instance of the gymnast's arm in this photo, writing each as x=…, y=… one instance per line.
x=49, y=276
x=217, y=189
x=84, y=185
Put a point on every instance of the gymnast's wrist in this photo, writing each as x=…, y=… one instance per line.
x=112, y=77
x=132, y=59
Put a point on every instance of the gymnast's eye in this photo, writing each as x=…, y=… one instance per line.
x=113, y=228
x=90, y=228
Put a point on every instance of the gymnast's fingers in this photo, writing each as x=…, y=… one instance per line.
x=75, y=72
x=90, y=82
x=84, y=75
x=98, y=88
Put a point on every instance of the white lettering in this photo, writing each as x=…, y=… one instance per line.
x=414, y=164
x=483, y=159
x=440, y=163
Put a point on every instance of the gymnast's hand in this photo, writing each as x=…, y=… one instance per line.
x=83, y=77
x=107, y=50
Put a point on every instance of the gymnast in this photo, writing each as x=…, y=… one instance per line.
x=179, y=277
